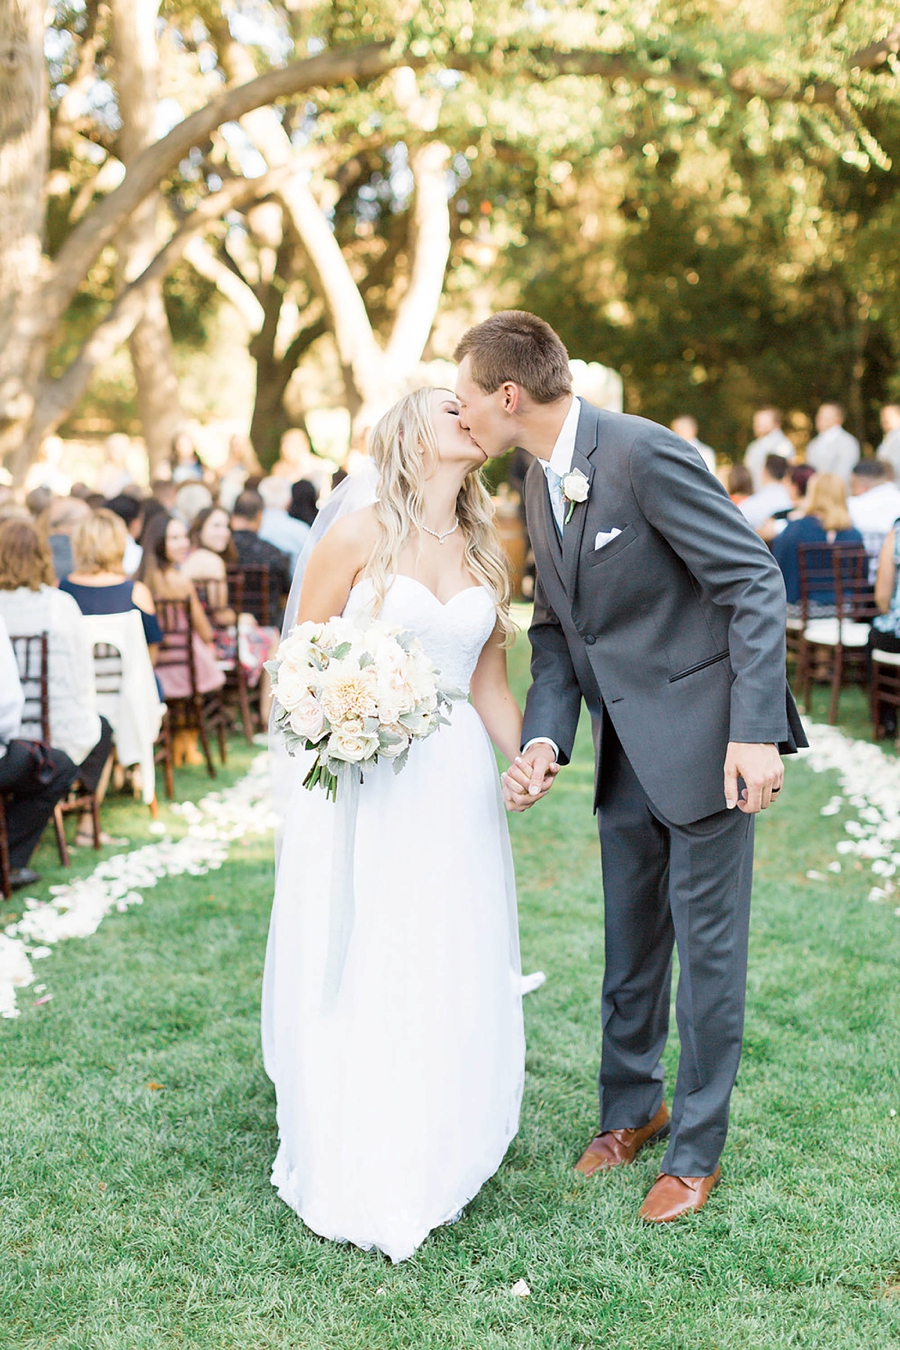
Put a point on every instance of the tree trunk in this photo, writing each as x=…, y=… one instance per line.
x=24, y=150
x=150, y=345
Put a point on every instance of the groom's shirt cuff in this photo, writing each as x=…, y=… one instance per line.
x=542, y=740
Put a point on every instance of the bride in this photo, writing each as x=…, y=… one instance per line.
x=397, y=1101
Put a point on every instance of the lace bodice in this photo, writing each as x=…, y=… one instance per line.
x=452, y=635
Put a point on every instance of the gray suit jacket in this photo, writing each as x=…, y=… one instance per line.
x=676, y=626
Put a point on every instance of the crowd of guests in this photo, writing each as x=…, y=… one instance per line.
x=835, y=496
x=65, y=557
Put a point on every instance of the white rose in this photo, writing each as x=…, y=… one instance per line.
x=352, y=746
x=307, y=719
x=396, y=747
x=291, y=685
x=575, y=486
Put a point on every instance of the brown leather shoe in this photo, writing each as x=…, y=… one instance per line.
x=670, y=1197
x=614, y=1148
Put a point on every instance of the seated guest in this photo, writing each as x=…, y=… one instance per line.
x=213, y=547
x=190, y=500
x=874, y=505
x=129, y=510
x=31, y=604
x=772, y=497
x=34, y=776
x=797, y=483
x=98, y=581
x=278, y=527
x=245, y=523
x=825, y=520
x=739, y=484
x=57, y=525
x=166, y=547
x=885, y=634
x=303, y=501
x=163, y=490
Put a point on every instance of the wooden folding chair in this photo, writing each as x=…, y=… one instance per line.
x=33, y=661
x=254, y=579
x=195, y=712
x=5, y=872
x=837, y=606
x=235, y=692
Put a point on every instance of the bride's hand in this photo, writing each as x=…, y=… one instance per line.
x=530, y=777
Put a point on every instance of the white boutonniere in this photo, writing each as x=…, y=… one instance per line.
x=575, y=488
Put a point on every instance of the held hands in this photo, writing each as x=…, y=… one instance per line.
x=762, y=770
x=529, y=777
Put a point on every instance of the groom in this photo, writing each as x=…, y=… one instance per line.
x=659, y=607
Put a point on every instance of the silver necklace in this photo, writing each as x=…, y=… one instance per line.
x=447, y=533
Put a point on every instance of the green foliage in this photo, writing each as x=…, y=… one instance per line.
x=713, y=211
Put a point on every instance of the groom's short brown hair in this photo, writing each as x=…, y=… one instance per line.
x=518, y=347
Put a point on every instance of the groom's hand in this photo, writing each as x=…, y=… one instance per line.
x=530, y=777
x=762, y=770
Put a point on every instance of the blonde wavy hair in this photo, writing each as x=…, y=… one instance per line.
x=826, y=499
x=394, y=447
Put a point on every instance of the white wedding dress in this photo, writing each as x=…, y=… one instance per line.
x=397, y=1102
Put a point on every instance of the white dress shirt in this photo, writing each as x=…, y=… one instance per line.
x=759, y=506
x=835, y=451
x=873, y=513
x=12, y=699
x=283, y=532
x=773, y=443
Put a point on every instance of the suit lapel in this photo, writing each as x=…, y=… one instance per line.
x=573, y=532
x=544, y=531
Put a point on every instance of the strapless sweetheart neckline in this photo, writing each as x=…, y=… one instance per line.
x=402, y=576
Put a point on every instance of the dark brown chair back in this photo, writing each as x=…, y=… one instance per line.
x=834, y=578
x=253, y=579
x=177, y=646
x=32, y=660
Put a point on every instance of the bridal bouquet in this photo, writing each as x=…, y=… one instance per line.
x=355, y=693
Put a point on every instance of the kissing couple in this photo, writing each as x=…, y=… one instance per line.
x=659, y=608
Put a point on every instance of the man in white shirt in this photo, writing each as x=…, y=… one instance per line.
x=688, y=429
x=34, y=775
x=889, y=449
x=874, y=505
x=772, y=497
x=834, y=450
x=769, y=440
x=278, y=527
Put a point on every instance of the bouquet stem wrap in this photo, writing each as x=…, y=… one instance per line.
x=343, y=903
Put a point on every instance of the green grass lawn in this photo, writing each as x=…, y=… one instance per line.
x=136, y=1217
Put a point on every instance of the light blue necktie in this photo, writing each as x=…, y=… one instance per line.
x=557, y=500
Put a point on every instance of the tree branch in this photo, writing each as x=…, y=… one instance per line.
x=56, y=398
x=91, y=236
x=429, y=251
x=202, y=258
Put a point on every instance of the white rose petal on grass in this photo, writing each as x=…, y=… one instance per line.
x=816, y=876
x=520, y=1289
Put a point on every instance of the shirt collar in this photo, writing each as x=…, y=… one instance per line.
x=560, y=460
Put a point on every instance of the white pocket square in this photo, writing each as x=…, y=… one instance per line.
x=604, y=537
